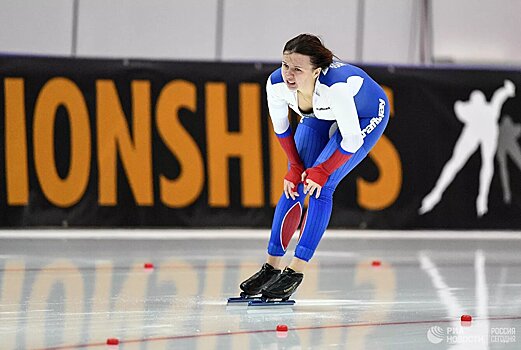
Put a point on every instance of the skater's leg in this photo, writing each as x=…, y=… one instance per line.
x=317, y=219
x=274, y=261
x=297, y=264
x=313, y=227
x=319, y=210
x=285, y=222
x=311, y=137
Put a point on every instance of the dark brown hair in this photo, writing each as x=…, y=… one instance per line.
x=310, y=45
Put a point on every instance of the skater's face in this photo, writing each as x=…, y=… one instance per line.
x=298, y=72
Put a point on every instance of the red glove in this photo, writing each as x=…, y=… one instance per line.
x=294, y=175
x=320, y=173
x=296, y=167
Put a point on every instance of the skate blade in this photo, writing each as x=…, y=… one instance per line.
x=270, y=302
x=242, y=300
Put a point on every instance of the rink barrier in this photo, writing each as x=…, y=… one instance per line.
x=137, y=143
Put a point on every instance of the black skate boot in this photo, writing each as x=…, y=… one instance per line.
x=285, y=285
x=253, y=285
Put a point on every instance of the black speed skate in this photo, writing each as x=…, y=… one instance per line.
x=285, y=285
x=264, y=277
x=253, y=285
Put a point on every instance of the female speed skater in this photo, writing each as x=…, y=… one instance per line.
x=343, y=114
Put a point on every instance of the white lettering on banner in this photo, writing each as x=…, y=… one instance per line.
x=376, y=120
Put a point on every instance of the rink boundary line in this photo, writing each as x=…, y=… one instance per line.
x=219, y=234
x=303, y=328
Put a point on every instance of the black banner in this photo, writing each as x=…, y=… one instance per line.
x=153, y=143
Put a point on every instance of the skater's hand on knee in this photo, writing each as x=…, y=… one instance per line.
x=311, y=186
x=292, y=179
x=290, y=190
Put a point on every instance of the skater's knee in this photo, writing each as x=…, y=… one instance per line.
x=326, y=195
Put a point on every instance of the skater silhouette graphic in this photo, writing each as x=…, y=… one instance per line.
x=509, y=132
x=481, y=128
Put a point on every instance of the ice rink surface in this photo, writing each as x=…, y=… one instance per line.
x=74, y=289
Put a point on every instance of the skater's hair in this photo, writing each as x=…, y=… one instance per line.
x=310, y=45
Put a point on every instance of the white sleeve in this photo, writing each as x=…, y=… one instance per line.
x=344, y=108
x=278, y=109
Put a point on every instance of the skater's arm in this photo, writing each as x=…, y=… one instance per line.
x=296, y=168
x=315, y=178
x=342, y=99
x=500, y=96
x=344, y=108
x=278, y=109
